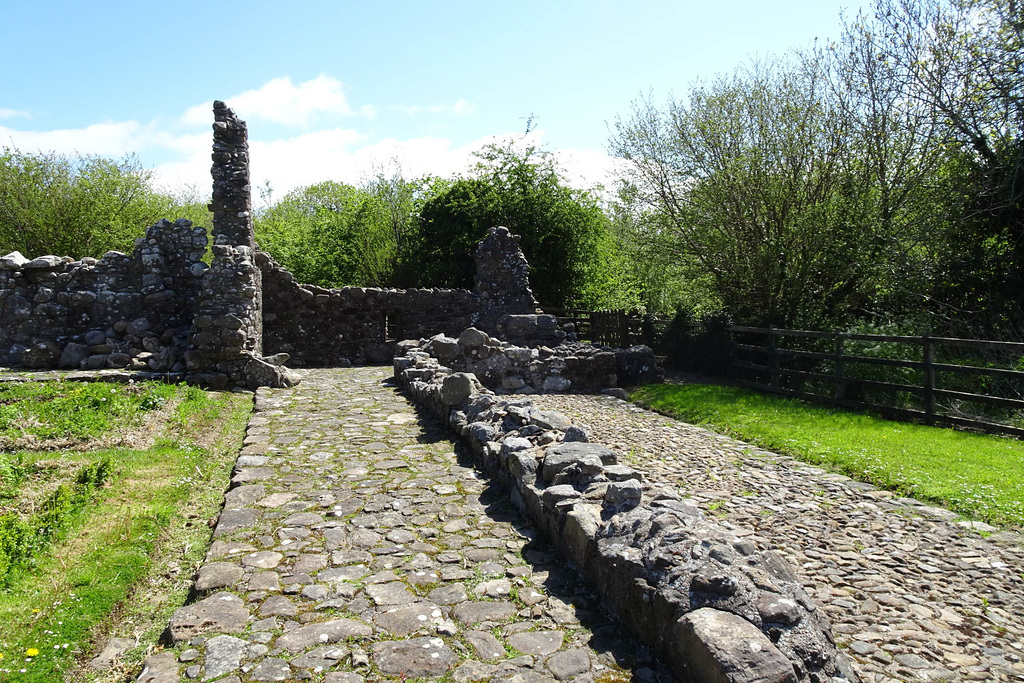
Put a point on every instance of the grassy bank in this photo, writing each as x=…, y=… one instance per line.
x=976, y=475
x=122, y=561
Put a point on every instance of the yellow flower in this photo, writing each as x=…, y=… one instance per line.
x=1, y=655
x=31, y=652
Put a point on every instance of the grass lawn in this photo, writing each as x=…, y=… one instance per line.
x=979, y=476
x=121, y=561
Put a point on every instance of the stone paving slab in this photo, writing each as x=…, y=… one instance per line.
x=358, y=544
x=914, y=593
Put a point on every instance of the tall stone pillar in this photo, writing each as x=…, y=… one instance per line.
x=227, y=332
x=502, y=279
x=232, y=196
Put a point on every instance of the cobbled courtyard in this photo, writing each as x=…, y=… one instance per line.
x=358, y=544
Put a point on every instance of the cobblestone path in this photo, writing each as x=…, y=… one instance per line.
x=912, y=594
x=357, y=544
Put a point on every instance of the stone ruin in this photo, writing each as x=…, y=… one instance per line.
x=163, y=312
x=712, y=605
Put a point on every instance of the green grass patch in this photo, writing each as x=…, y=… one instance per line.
x=22, y=539
x=75, y=410
x=125, y=558
x=979, y=476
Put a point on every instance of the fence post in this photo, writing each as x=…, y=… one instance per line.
x=929, y=379
x=773, y=358
x=840, y=380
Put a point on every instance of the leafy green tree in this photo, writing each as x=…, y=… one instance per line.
x=750, y=179
x=564, y=232
x=951, y=74
x=661, y=281
x=399, y=201
x=329, y=234
x=79, y=205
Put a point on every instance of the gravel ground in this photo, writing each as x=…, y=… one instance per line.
x=914, y=592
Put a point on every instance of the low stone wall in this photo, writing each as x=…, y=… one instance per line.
x=710, y=603
x=508, y=367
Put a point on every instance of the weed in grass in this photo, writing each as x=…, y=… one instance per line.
x=72, y=410
x=22, y=539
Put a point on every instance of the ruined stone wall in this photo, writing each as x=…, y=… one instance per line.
x=519, y=369
x=501, y=279
x=117, y=311
x=163, y=310
x=226, y=336
x=322, y=327
x=326, y=327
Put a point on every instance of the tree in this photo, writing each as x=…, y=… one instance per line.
x=329, y=234
x=399, y=201
x=564, y=233
x=956, y=65
x=660, y=281
x=750, y=178
x=79, y=205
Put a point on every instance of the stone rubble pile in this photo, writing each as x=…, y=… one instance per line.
x=712, y=605
x=510, y=368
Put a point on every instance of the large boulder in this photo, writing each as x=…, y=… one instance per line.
x=42, y=355
x=456, y=388
x=720, y=647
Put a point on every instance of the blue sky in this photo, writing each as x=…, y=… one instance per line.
x=335, y=90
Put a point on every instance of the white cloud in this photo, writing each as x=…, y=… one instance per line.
x=463, y=108
x=330, y=153
x=14, y=114
x=281, y=101
x=107, y=139
x=586, y=169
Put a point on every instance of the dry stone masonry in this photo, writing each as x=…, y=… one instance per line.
x=712, y=605
x=532, y=367
x=502, y=279
x=114, y=312
x=334, y=327
x=914, y=592
x=235, y=320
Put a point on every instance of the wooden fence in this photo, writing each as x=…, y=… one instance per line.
x=969, y=383
x=939, y=383
x=619, y=329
